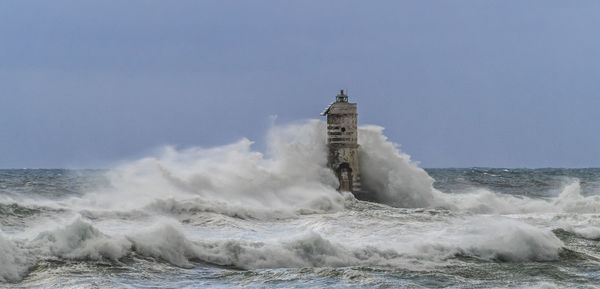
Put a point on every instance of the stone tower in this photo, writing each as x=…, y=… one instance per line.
x=342, y=140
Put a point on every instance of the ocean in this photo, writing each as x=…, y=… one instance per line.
x=233, y=217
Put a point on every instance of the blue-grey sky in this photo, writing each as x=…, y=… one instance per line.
x=456, y=83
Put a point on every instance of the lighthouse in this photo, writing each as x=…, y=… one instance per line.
x=342, y=141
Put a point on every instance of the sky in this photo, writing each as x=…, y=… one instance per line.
x=84, y=84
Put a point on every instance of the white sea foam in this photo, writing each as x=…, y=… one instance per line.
x=592, y=233
x=396, y=180
x=491, y=238
x=390, y=174
x=166, y=242
x=479, y=200
x=487, y=238
x=291, y=180
x=231, y=179
x=79, y=240
x=496, y=240
x=541, y=285
x=14, y=262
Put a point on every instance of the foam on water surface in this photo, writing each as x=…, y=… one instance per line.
x=214, y=211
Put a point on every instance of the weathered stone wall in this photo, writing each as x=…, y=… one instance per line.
x=342, y=138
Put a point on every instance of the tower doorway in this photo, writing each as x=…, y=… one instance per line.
x=344, y=174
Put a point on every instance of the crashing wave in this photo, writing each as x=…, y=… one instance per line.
x=489, y=239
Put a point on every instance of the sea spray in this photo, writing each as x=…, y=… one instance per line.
x=486, y=238
x=390, y=174
x=165, y=241
x=79, y=241
x=396, y=180
x=484, y=201
x=232, y=206
x=293, y=178
x=14, y=262
x=492, y=238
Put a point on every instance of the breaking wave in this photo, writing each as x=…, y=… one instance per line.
x=397, y=181
x=15, y=263
x=490, y=239
x=233, y=179
x=390, y=174
x=247, y=189
x=292, y=178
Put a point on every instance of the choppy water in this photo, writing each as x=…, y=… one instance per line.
x=232, y=217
